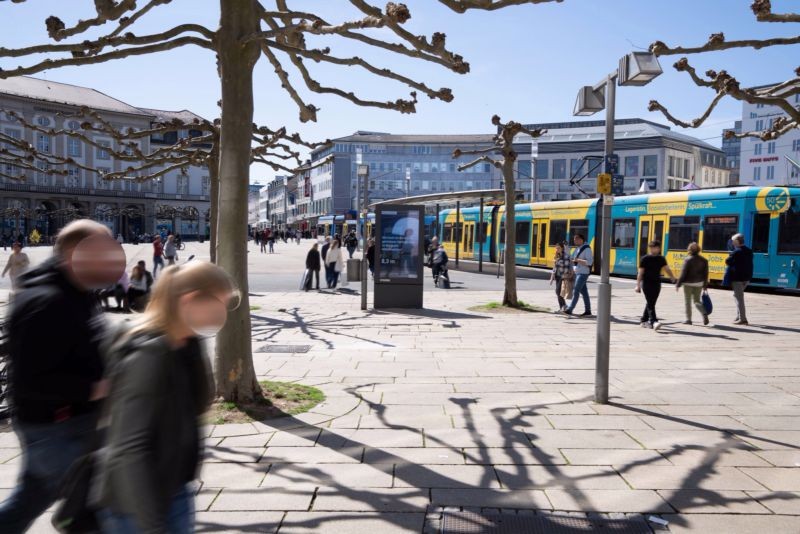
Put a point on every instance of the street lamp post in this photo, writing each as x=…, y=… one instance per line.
x=635, y=69
x=408, y=182
x=363, y=174
x=534, y=156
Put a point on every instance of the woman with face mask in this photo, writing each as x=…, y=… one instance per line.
x=161, y=387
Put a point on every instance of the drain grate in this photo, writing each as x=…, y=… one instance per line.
x=292, y=349
x=475, y=523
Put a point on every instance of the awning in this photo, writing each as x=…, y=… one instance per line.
x=451, y=197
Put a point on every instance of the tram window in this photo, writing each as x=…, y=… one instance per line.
x=484, y=231
x=717, y=232
x=502, y=232
x=760, y=241
x=448, y=232
x=789, y=233
x=523, y=233
x=624, y=235
x=580, y=226
x=682, y=231
x=558, y=232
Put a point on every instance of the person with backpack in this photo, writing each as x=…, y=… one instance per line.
x=351, y=242
x=161, y=389
x=56, y=374
x=694, y=279
x=562, y=275
x=738, y=274
x=439, y=267
x=582, y=261
x=648, y=281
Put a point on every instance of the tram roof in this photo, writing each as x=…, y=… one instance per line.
x=451, y=197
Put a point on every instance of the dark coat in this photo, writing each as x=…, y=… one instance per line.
x=154, y=445
x=325, y=248
x=55, y=332
x=313, y=260
x=740, y=265
x=695, y=270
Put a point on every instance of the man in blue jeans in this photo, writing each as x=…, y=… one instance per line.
x=56, y=380
x=583, y=259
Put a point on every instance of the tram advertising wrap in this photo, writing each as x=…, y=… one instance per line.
x=399, y=245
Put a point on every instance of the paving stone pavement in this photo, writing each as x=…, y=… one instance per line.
x=448, y=407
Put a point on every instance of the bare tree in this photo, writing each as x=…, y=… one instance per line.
x=725, y=84
x=504, y=146
x=249, y=29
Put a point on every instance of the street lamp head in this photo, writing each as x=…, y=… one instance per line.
x=363, y=170
x=638, y=68
x=589, y=101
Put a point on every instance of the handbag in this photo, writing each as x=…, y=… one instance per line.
x=567, y=286
x=707, y=304
x=305, y=279
x=76, y=514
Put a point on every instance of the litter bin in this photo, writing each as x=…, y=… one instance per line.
x=354, y=270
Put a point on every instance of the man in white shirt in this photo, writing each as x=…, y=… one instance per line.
x=583, y=259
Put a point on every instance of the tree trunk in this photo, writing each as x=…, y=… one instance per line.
x=510, y=267
x=234, y=373
x=213, y=178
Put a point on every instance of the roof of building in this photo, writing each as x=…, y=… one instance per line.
x=183, y=115
x=379, y=137
x=579, y=131
x=63, y=93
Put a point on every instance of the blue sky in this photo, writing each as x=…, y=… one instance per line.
x=527, y=63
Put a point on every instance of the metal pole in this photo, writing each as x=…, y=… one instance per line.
x=604, y=288
x=458, y=228
x=437, y=223
x=482, y=238
x=364, y=270
x=359, y=231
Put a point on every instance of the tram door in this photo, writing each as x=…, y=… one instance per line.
x=539, y=242
x=760, y=243
x=468, y=239
x=652, y=228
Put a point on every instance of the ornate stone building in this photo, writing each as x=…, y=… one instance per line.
x=176, y=201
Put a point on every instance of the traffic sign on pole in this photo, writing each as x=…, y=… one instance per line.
x=612, y=164
x=604, y=183
x=617, y=185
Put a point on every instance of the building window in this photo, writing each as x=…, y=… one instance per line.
x=542, y=168
x=42, y=176
x=43, y=143
x=771, y=172
x=43, y=121
x=73, y=177
x=796, y=145
x=206, y=185
x=74, y=147
x=651, y=166
x=103, y=153
x=757, y=149
x=757, y=173
x=74, y=125
x=771, y=147
x=671, y=166
x=574, y=166
x=632, y=166
x=559, y=169
x=760, y=124
x=686, y=169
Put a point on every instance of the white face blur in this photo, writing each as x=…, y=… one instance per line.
x=205, y=314
x=96, y=262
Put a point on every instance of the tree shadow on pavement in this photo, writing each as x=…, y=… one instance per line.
x=531, y=463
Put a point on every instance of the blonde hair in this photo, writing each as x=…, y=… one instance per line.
x=174, y=282
x=693, y=249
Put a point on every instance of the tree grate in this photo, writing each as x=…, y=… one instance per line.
x=497, y=523
x=291, y=349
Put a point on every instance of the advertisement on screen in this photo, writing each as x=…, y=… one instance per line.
x=399, y=245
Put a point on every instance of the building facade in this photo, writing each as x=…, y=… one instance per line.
x=765, y=163
x=177, y=201
x=253, y=205
x=400, y=166
x=648, y=153
x=733, y=151
x=277, y=200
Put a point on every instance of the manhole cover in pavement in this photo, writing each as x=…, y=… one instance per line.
x=475, y=523
x=284, y=348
